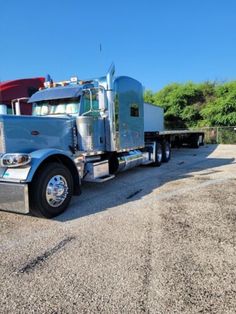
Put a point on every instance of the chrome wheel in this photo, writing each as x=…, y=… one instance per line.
x=158, y=155
x=56, y=191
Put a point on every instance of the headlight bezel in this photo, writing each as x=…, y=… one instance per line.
x=14, y=160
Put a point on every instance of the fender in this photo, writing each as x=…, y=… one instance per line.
x=25, y=174
x=41, y=155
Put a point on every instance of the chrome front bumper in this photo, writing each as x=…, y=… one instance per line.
x=14, y=197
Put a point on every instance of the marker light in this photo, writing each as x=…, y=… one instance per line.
x=48, y=81
x=14, y=160
x=47, y=84
x=74, y=79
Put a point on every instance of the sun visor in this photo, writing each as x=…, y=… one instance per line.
x=56, y=93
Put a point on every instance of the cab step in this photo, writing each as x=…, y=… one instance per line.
x=100, y=179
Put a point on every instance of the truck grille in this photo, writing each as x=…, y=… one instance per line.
x=2, y=139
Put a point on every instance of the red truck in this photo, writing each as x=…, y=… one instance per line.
x=14, y=95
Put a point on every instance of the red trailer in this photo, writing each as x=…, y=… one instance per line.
x=14, y=95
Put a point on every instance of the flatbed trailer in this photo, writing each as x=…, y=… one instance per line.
x=179, y=138
x=154, y=129
x=162, y=142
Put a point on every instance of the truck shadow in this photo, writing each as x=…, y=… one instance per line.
x=136, y=183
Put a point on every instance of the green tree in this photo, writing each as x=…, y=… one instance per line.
x=190, y=104
x=149, y=97
x=221, y=111
x=180, y=103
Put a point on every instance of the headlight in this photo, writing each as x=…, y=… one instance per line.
x=14, y=160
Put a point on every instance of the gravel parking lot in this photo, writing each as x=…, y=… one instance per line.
x=153, y=240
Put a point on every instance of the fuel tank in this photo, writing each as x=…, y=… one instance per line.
x=130, y=160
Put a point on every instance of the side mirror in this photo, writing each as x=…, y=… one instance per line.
x=102, y=99
x=3, y=109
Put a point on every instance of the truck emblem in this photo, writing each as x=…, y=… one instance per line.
x=34, y=132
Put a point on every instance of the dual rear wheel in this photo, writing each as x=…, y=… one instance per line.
x=162, y=153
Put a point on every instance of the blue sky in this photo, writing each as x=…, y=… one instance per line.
x=156, y=42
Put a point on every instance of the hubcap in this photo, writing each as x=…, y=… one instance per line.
x=56, y=191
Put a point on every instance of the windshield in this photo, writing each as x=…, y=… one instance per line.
x=56, y=106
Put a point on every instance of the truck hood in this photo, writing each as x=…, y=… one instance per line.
x=24, y=134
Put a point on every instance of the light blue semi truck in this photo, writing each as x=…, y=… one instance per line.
x=79, y=130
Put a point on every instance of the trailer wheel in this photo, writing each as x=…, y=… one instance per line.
x=51, y=191
x=158, y=155
x=196, y=141
x=201, y=140
x=166, y=151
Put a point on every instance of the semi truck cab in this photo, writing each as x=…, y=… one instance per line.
x=79, y=131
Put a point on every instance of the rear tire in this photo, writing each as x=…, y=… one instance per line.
x=158, y=155
x=166, y=151
x=51, y=190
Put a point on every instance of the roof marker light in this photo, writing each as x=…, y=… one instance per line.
x=74, y=79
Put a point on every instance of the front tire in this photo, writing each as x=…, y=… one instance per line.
x=51, y=190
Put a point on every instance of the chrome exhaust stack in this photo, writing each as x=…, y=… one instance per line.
x=111, y=106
